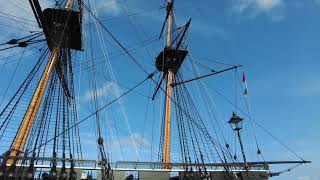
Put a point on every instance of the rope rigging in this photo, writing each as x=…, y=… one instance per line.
x=62, y=109
x=93, y=92
x=23, y=42
x=253, y=121
x=93, y=114
x=55, y=132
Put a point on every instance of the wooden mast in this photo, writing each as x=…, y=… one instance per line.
x=33, y=108
x=170, y=76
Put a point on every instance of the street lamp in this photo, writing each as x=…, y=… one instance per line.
x=235, y=122
x=236, y=125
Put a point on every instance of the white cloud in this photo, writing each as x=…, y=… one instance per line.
x=211, y=30
x=105, y=90
x=268, y=5
x=108, y=6
x=272, y=8
x=304, y=178
x=130, y=142
x=308, y=88
x=259, y=5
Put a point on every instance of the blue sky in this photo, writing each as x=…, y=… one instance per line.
x=277, y=41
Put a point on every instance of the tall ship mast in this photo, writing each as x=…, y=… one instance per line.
x=43, y=123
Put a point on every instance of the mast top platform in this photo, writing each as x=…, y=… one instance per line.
x=55, y=21
x=59, y=21
x=170, y=59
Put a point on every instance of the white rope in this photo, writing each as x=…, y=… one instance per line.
x=111, y=73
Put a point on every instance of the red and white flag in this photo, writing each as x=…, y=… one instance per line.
x=244, y=80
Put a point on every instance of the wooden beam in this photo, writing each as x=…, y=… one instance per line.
x=167, y=123
x=204, y=76
x=250, y=164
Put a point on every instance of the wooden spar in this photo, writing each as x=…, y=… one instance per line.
x=33, y=108
x=167, y=127
x=168, y=44
x=236, y=164
x=167, y=130
x=207, y=75
x=68, y=4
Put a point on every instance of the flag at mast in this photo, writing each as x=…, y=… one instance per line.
x=244, y=81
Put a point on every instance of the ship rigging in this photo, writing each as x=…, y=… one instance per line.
x=41, y=127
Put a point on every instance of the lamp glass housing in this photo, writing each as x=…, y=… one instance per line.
x=236, y=122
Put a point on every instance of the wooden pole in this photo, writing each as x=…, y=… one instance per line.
x=33, y=108
x=170, y=76
x=242, y=150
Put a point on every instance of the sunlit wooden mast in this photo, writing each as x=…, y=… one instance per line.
x=170, y=76
x=33, y=108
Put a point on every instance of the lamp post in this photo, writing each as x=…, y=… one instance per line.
x=236, y=124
